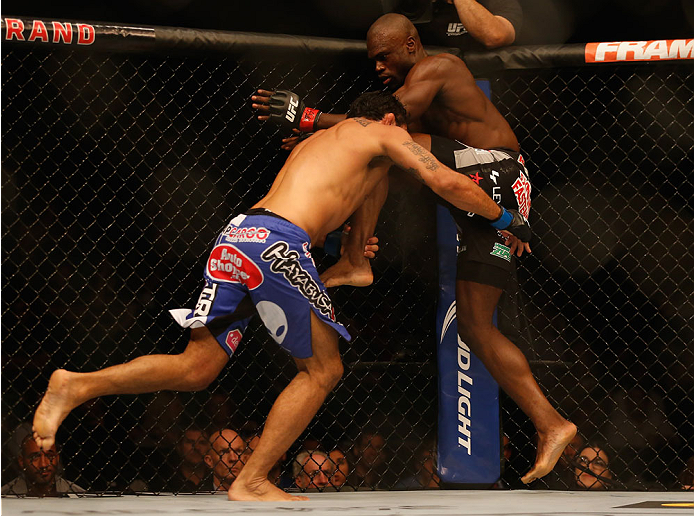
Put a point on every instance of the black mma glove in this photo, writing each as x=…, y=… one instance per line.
x=514, y=223
x=288, y=110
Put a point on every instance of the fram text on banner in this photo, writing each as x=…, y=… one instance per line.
x=639, y=50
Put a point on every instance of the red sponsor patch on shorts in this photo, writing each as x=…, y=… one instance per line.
x=233, y=339
x=521, y=188
x=227, y=263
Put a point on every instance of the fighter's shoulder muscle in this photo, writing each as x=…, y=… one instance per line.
x=370, y=136
x=439, y=65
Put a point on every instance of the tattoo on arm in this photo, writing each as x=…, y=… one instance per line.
x=420, y=151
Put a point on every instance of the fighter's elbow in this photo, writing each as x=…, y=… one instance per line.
x=497, y=40
x=491, y=44
x=499, y=37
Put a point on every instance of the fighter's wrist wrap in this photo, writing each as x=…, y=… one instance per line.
x=513, y=222
x=504, y=219
x=309, y=120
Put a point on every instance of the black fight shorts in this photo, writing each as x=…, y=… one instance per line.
x=483, y=256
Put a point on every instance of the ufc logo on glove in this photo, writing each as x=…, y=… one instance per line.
x=291, y=111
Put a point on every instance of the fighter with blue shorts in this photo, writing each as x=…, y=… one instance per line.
x=261, y=260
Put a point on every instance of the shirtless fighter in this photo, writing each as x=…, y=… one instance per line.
x=263, y=258
x=442, y=98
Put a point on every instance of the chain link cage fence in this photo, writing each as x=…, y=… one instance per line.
x=120, y=166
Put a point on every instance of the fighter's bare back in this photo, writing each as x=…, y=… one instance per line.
x=328, y=176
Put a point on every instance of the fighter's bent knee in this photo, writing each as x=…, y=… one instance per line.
x=329, y=376
x=201, y=362
x=336, y=372
x=197, y=377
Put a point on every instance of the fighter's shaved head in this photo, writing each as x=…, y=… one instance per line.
x=392, y=24
x=393, y=43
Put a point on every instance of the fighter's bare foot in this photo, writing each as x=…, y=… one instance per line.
x=262, y=491
x=345, y=273
x=549, y=448
x=60, y=398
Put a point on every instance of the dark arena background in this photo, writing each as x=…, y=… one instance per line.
x=123, y=158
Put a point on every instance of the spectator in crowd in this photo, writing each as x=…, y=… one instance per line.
x=192, y=472
x=425, y=476
x=686, y=477
x=592, y=469
x=473, y=25
x=39, y=475
x=341, y=470
x=370, y=461
x=313, y=470
x=227, y=455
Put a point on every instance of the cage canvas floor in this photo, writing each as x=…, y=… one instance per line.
x=430, y=503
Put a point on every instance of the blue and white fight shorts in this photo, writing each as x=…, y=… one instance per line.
x=261, y=262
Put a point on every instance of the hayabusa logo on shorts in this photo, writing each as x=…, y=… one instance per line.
x=286, y=262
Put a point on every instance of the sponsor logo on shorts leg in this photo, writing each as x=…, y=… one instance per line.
x=228, y=264
x=501, y=251
x=233, y=339
x=206, y=299
x=251, y=234
x=521, y=187
x=274, y=319
x=286, y=262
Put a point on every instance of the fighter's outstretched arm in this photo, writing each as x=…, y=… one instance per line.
x=264, y=102
x=287, y=109
x=457, y=189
